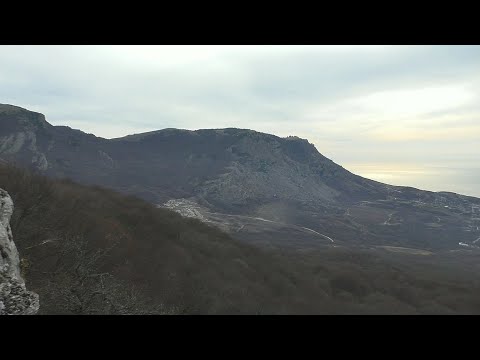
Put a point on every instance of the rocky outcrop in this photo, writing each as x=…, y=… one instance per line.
x=14, y=297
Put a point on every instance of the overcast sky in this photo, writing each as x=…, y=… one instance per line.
x=405, y=115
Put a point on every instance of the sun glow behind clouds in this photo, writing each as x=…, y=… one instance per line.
x=416, y=101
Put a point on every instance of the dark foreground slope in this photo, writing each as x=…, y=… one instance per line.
x=87, y=250
x=73, y=238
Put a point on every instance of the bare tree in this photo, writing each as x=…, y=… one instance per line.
x=77, y=285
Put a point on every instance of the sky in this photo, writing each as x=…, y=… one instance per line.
x=403, y=115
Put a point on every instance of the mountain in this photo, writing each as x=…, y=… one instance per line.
x=326, y=241
x=230, y=168
x=253, y=185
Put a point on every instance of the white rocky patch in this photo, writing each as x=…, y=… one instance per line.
x=14, y=297
x=186, y=208
x=13, y=143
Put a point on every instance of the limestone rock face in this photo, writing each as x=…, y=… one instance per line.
x=14, y=297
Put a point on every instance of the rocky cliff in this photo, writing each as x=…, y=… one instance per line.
x=14, y=297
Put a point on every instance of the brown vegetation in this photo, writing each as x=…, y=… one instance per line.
x=88, y=250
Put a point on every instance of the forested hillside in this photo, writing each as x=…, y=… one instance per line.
x=88, y=250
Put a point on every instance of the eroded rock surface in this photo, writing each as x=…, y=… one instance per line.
x=15, y=299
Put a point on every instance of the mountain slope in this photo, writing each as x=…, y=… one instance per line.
x=245, y=173
x=88, y=250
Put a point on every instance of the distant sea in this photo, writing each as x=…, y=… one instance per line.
x=465, y=181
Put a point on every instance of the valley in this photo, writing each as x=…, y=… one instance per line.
x=453, y=224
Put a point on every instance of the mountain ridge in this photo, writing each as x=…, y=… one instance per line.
x=239, y=142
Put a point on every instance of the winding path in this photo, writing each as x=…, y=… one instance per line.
x=387, y=222
x=271, y=221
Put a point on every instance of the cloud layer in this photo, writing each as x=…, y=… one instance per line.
x=379, y=111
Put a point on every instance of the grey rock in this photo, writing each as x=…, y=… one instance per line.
x=15, y=299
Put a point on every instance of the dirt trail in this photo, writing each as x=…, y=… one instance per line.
x=275, y=222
